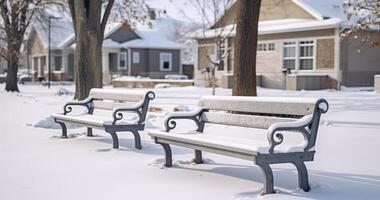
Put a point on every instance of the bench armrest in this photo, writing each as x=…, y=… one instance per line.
x=192, y=115
x=117, y=112
x=67, y=108
x=301, y=126
x=307, y=126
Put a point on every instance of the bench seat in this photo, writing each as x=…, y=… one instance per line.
x=96, y=121
x=264, y=130
x=112, y=110
x=248, y=144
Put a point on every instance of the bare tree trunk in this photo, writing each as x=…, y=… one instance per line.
x=246, y=47
x=88, y=63
x=89, y=24
x=11, y=83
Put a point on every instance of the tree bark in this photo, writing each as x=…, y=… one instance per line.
x=246, y=47
x=89, y=25
x=11, y=82
x=88, y=62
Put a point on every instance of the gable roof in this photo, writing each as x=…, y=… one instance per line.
x=300, y=3
x=60, y=32
x=271, y=27
x=156, y=34
x=159, y=34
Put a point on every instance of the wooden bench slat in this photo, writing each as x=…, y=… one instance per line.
x=267, y=105
x=251, y=121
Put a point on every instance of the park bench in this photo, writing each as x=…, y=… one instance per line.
x=272, y=118
x=105, y=109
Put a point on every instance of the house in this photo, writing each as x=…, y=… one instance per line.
x=62, y=55
x=298, y=48
x=148, y=50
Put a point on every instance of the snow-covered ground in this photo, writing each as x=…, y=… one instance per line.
x=35, y=163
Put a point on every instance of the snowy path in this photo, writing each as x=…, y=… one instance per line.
x=36, y=164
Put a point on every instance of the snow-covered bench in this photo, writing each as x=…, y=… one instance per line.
x=273, y=118
x=105, y=109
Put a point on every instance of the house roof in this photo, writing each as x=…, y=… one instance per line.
x=155, y=34
x=60, y=32
x=283, y=25
x=274, y=26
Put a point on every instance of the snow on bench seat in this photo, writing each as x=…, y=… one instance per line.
x=274, y=117
x=244, y=145
x=118, y=107
x=92, y=120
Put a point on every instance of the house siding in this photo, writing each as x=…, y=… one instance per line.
x=154, y=63
x=325, y=54
x=359, y=61
x=269, y=63
x=141, y=68
x=270, y=10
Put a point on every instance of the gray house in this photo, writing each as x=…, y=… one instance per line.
x=147, y=50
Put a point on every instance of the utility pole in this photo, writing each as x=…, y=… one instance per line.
x=49, y=67
x=49, y=48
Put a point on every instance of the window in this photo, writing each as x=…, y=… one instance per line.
x=57, y=63
x=306, y=51
x=35, y=64
x=266, y=47
x=165, y=61
x=271, y=47
x=136, y=57
x=290, y=55
x=221, y=55
x=262, y=47
x=299, y=55
x=122, y=60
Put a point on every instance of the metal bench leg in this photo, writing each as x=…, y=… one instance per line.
x=303, y=177
x=89, y=132
x=268, y=178
x=137, y=139
x=198, y=157
x=115, y=139
x=64, y=129
x=168, y=154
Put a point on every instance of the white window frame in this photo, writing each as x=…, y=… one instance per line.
x=274, y=46
x=298, y=45
x=136, y=57
x=162, y=63
x=306, y=57
x=295, y=58
x=262, y=47
x=124, y=54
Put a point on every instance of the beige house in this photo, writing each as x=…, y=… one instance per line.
x=61, y=55
x=298, y=48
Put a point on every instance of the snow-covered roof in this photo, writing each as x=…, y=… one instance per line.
x=185, y=10
x=327, y=8
x=155, y=34
x=274, y=26
x=60, y=32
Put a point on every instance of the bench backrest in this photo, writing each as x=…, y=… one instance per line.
x=108, y=99
x=255, y=112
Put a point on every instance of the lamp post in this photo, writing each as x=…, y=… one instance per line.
x=49, y=49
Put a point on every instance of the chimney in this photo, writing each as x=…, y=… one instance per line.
x=152, y=13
